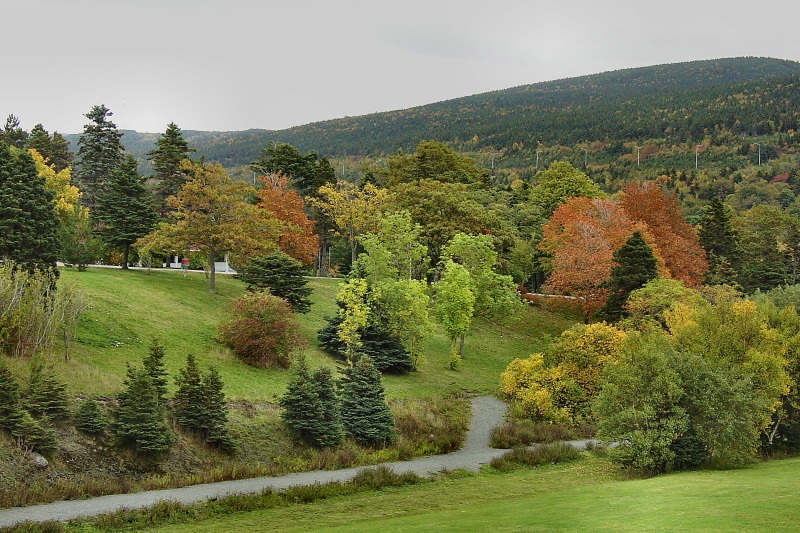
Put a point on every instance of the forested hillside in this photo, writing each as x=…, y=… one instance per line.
x=599, y=119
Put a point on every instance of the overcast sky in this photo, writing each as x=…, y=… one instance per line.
x=240, y=64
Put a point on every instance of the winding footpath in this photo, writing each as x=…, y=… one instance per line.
x=487, y=413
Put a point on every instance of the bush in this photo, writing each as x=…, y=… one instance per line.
x=282, y=275
x=263, y=331
x=537, y=456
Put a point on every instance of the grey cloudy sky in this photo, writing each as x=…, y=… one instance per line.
x=239, y=64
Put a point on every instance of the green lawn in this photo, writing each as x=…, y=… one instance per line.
x=130, y=308
x=586, y=496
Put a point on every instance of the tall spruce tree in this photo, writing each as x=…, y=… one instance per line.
x=60, y=156
x=100, y=152
x=13, y=134
x=28, y=224
x=171, y=149
x=40, y=141
x=720, y=241
x=635, y=266
x=123, y=210
x=366, y=417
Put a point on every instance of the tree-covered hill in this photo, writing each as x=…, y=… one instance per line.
x=670, y=105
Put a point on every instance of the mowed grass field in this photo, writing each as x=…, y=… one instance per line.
x=589, y=495
x=131, y=308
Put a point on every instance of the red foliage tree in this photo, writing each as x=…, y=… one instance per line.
x=297, y=240
x=676, y=240
x=581, y=238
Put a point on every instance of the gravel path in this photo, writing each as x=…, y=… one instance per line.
x=487, y=412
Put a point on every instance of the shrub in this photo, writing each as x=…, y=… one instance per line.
x=282, y=275
x=536, y=456
x=263, y=331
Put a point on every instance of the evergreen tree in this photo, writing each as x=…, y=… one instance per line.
x=154, y=364
x=301, y=404
x=189, y=404
x=635, y=266
x=34, y=434
x=719, y=239
x=46, y=396
x=60, y=156
x=10, y=409
x=366, y=417
x=99, y=153
x=139, y=417
x=39, y=140
x=28, y=224
x=89, y=418
x=13, y=134
x=282, y=275
x=215, y=427
x=171, y=149
x=387, y=353
x=123, y=210
x=328, y=430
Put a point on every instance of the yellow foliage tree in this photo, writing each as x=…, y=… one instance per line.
x=67, y=195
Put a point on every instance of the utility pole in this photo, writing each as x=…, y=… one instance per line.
x=537, y=158
x=585, y=157
x=759, y=153
x=696, y=154
x=637, y=154
x=493, y=154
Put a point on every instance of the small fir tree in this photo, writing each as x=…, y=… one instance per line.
x=301, y=404
x=215, y=427
x=10, y=408
x=189, y=404
x=34, y=434
x=282, y=275
x=366, y=417
x=329, y=431
x=89, y=418
x=46, y=396
x=139, y=416
x=635, y=266
x=154, y=364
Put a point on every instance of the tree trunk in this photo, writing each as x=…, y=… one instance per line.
x=461, y=346
x=125, y=254
x=212, y=258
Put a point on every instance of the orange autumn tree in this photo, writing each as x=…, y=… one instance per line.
x=297, y=239
x=581, y=237
x=677, y=241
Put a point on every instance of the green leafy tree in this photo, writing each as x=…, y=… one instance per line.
x=557, y=183
x=282, y=275
x=455, y=306
x=635, y=266
x=366, y=417
x=763, y=245
x=434, y=160
x=139, y=416
x=100, y=151
x=123, y=210
x=171, y=149
x=28, y=224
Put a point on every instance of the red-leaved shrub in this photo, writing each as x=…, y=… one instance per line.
x=263, y=331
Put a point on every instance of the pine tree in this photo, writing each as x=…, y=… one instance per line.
x=154, y=364
x=28, y=224
x=171, y=149
x=301, y=404
x=366, y=417
x=13, y=134
x=282, y=275
x=123, y=209
x=10, y=407
x=328, y=430
x=46, y=396
x=635, y=266
x=89, y=418
x=719, y=240
x=215, y=427
x=40, y=141
x=99, y=153
x=60, y=156
x=189, y=405
x=139, y=417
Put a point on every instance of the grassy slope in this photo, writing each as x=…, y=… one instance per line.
x=584, y=496
x=130, y=308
